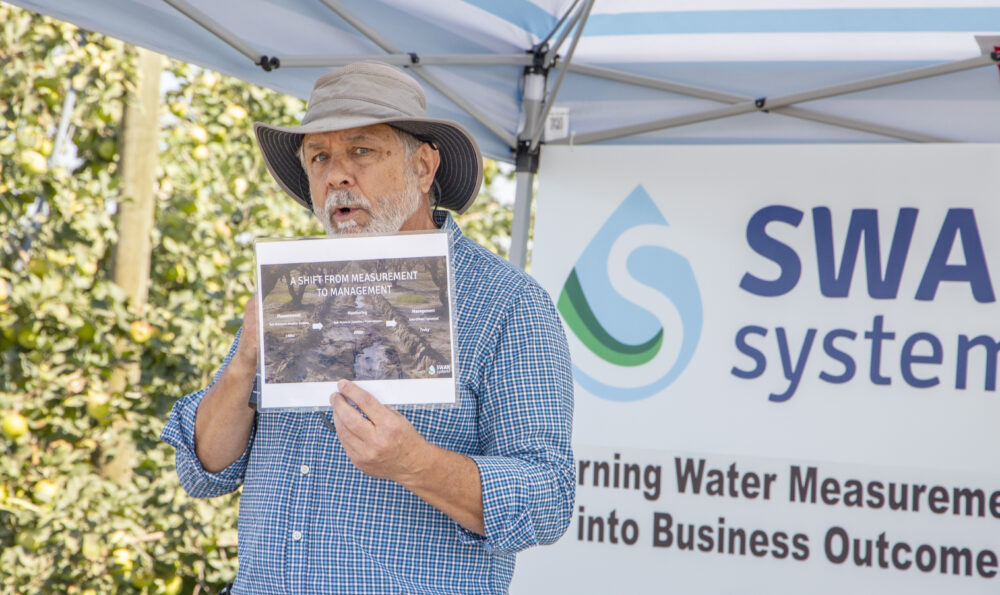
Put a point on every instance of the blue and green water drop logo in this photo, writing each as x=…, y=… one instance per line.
x=634, y=305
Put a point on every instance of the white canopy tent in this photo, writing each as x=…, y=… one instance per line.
x=523, y=74
x=624, y=71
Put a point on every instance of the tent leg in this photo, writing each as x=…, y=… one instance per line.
x=522, y=219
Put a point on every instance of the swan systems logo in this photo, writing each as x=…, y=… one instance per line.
x=632, y=304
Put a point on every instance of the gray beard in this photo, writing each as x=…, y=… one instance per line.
x=396, y=209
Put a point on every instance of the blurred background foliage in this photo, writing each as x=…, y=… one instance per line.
x=89, y=501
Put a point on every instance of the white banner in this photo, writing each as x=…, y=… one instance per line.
x=786, y=363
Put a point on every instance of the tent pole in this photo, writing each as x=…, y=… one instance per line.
x=362, y=27
x=730, y=98
x=562, y=20
x=535, y=106
x=521, y=225
x=466, y=106
x=674, y=122
x=862, y=125
x=772, y=103
x=215, y=29
x=533, y=80
x=794, y=112
x=906, y=76
x=722, y=97
x=550, y=55
x=649, y=82
x=551, y=96
x=407, y=60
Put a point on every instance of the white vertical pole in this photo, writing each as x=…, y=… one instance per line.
x=522, y=218
x=532, y=97
x=535, y=104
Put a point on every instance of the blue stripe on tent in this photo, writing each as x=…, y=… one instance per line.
x=863, y=20
x=522, y=13
x=751, y=139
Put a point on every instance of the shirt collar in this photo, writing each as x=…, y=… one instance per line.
x=444, y=222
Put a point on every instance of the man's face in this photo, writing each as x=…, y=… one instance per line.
x=362, y=181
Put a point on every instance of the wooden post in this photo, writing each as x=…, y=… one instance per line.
x=139, y=150
x=136, y=209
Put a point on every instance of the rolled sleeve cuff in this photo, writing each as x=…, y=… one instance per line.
x=179, y=433
x=510, y=508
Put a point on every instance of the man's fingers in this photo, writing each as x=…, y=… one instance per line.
x=249, y=334
x=371, y=406
x=346, y=417
x=347, y=437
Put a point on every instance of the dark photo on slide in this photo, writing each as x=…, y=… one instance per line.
x=362, y=320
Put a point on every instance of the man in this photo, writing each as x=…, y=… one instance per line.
x=380, y=500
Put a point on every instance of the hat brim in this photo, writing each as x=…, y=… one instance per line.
x=459, y=176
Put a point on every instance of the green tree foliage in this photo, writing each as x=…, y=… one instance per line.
x=488, y=221
x=89, y=500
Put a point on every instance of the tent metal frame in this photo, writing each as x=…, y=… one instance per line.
x=538, y=96
x=535, y=111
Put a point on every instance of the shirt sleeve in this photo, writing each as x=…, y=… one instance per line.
x=526, y=418
x=179, y=433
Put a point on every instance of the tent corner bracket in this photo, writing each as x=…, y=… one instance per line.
x=268, y=63
x=526, y=160
x=538, y=64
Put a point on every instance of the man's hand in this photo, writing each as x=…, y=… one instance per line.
x=385, y=444
x=249, y=344
x=224, y=419
x=382, y=443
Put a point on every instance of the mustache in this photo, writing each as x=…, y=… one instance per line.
x=338, y=199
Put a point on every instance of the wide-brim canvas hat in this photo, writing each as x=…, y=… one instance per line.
x=367, y=93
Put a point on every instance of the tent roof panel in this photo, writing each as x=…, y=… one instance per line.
x=745, y=48
x=836, y=20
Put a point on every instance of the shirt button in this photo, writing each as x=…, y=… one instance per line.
x=304, y=469
x=296, y=535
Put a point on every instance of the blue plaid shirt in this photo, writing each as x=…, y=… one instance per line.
x=311, y=522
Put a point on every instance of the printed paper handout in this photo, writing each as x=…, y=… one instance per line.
x=373, y=309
